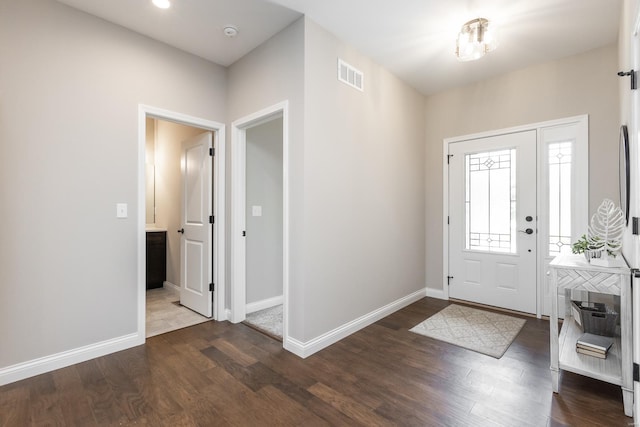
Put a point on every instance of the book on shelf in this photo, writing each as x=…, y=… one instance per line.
x=598, y=354
x=595, y=350
x=594, y=342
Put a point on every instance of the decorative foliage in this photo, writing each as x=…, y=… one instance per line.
x=606, y=229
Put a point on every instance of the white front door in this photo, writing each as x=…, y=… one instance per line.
x=492, y=221
x=195, y=243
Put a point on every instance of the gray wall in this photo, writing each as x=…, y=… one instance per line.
x=364, y=192
x=356, y=174
x=270, y=74
x=70, y=87
x=264, y=233
x=580, y=84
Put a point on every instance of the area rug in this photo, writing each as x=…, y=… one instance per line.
x=478, y=330
x=268, y=321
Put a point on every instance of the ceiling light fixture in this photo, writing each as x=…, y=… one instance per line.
x=476, y=38
x=162, y=4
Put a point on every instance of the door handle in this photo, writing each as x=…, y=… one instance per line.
x=181, y=231
x=527, y=231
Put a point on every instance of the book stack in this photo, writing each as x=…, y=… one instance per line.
x=594, y=345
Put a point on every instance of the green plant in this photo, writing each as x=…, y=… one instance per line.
x=581, y=245
x=585, y=244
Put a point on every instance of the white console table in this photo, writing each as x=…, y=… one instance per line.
x=570, y=272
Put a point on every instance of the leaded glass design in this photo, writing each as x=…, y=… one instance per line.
x=490, y=201
x=560, y=159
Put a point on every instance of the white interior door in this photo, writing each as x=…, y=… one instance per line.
x=492, y=221
x=195, y=243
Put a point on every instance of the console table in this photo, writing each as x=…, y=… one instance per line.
x=570, y=272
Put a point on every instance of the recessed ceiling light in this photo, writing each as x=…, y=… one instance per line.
x=162, y=4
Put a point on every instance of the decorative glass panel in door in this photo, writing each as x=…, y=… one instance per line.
x=491, y=201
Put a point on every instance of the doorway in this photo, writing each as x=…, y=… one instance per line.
x=492, y=204
x=513, y=200
x=259, y=223
x=166, y=163
x=182, y=162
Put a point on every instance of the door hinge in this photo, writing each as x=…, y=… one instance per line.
x=447, y=219
x=212, y=152
x=244, y=233
x=212, y=286
x=632, y=74
x=634, y=226
x=212, y=219
x=449, y=156
x=449, y=280
x=635, y=274
x=636, y=372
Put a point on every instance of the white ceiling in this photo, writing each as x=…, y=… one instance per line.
x=415, y=39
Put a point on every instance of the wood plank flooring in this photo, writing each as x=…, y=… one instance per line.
x=219, y=374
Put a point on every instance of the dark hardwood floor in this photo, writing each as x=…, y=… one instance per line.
x=217, y=373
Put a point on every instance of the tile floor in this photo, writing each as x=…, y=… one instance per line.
x=165, y=316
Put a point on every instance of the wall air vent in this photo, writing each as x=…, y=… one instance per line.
x=349, y=75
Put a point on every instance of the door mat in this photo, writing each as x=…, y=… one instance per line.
x=478, y=330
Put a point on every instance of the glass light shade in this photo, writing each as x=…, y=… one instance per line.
x=162, y=4
x=476, y=38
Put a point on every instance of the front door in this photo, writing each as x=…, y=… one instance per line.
x=195, y=243
x=492, y=221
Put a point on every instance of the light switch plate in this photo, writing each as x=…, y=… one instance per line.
x=256, y=210
x=121, y=210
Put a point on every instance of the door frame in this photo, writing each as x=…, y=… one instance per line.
x=218, y=242
x=238, y=210
x=581, y=188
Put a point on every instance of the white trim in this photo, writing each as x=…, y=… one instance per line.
x=63, y=359
x=252, y=307
x=238, y=219
x=437, y=293
x=238, y=211
x=445, y=219
x=306, y=349
x=218, y=243
x=581, y=198
x=168, y=284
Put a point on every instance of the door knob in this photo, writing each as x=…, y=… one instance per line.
x=528, y=231
x=181, y=231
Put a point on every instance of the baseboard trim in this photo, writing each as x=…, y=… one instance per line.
x=39, y=366
x=306, y=349
x=171, y=285
x=265, y=303
x=436, y=293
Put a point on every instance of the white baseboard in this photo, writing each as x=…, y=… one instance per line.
x=306, y=349
x=265, y=303
x=171, y=285
x=436, y=293
x=39, y=366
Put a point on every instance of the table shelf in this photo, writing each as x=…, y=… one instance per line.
x=609, y=369
x=573, y=272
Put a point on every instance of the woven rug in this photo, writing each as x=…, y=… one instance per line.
x=268, y=321
x=478, y=330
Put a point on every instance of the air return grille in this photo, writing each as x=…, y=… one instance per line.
x=350, y=75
